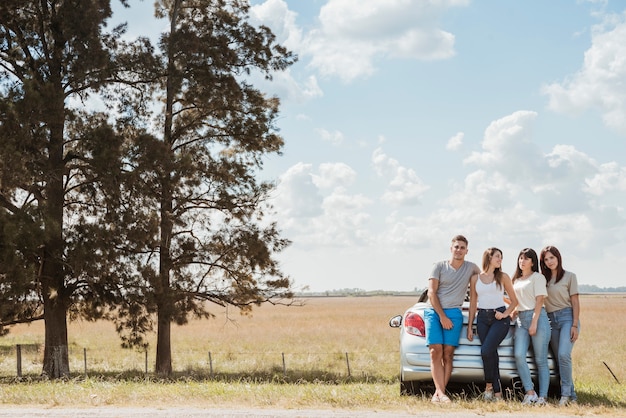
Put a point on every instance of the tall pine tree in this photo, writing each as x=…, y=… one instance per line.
x=58, y=164
x=194, y=182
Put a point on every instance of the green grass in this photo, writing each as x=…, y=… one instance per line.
x=252, y=393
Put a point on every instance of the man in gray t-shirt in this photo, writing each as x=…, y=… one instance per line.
x=453, y=283
x=447, y=288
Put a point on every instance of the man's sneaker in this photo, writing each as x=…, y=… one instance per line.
x=530, y=399
x=541, y=401
x=564, y=401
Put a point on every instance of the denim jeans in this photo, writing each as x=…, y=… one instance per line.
x=491, y=332
x=561, y=324
x=540, y=342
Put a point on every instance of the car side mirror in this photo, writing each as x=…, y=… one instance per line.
x=396, y=321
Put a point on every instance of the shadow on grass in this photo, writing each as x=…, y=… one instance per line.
x=598, y=399
x=275, y=376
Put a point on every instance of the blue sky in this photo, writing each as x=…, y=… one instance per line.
x=408, y=122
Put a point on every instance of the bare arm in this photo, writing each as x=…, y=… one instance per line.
x=508, y=286
x=532, y=330
x=472, y=308
x=576, y=315
x=433, y=286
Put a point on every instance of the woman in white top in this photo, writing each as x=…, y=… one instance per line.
x=487, y=295
x=563, y=307
x=532, y=325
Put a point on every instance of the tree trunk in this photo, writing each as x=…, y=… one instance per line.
x=163, y=365
x=54, y=292
x=163, y=290
x=55, y=359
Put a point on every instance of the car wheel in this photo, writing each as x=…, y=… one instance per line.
x=408, y=388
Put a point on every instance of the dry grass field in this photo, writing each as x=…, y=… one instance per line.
x=331, y=352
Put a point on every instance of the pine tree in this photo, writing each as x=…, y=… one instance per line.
x=194, y=183
x=55, y=158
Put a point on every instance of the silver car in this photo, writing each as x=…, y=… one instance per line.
x=468, y=364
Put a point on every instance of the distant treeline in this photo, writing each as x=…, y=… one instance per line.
x=592, y=288
x=359, y=292
x=583, y=288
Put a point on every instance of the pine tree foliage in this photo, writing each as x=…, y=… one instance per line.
x=199, y=237
x=57, y=161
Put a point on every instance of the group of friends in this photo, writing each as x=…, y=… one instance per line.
x=542, y=299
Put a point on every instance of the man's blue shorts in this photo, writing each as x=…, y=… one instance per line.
x=435, y=334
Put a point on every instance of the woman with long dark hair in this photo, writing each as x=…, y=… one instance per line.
x=532, y=325
x=563, y=307
x=487, y=296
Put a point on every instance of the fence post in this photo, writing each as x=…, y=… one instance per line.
x=85, y=359
x=18, y=351
x=284, y=366
x=146, y=362
x=210, y=364
x=348, y=363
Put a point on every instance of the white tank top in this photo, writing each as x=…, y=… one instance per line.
x=489, y=295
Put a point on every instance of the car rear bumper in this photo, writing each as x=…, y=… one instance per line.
x=467, y=365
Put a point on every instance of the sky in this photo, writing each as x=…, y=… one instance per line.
x=407, y=122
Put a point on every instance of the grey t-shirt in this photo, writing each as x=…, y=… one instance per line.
x=453, y=283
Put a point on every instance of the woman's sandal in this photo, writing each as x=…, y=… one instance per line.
x=440, y=399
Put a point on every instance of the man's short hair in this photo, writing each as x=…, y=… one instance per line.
x=460, y=238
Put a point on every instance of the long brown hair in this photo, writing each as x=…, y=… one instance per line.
x=528, y=253
x=560, y=272
x=497, y=273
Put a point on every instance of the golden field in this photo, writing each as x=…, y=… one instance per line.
x=329, y=352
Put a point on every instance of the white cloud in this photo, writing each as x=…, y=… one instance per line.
x=314, y=207
x=508, y=148
x=276, y=15
x=410, y=232
x=609, y=177
x=334, y=175
x=404, y=187
x=456, y=142
x=599, y=83
x=353, y=34
x=345, y=219
x=335, y=138
x=296, y=196
x=551, y=194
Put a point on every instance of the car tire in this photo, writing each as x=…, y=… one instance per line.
x=408, y=388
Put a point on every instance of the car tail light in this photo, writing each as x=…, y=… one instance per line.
x=414, y=324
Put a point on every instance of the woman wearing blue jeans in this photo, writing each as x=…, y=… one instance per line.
x=563, y=307
x=487, y=295
x=532, y=326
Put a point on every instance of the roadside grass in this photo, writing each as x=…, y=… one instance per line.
x=246, y=367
